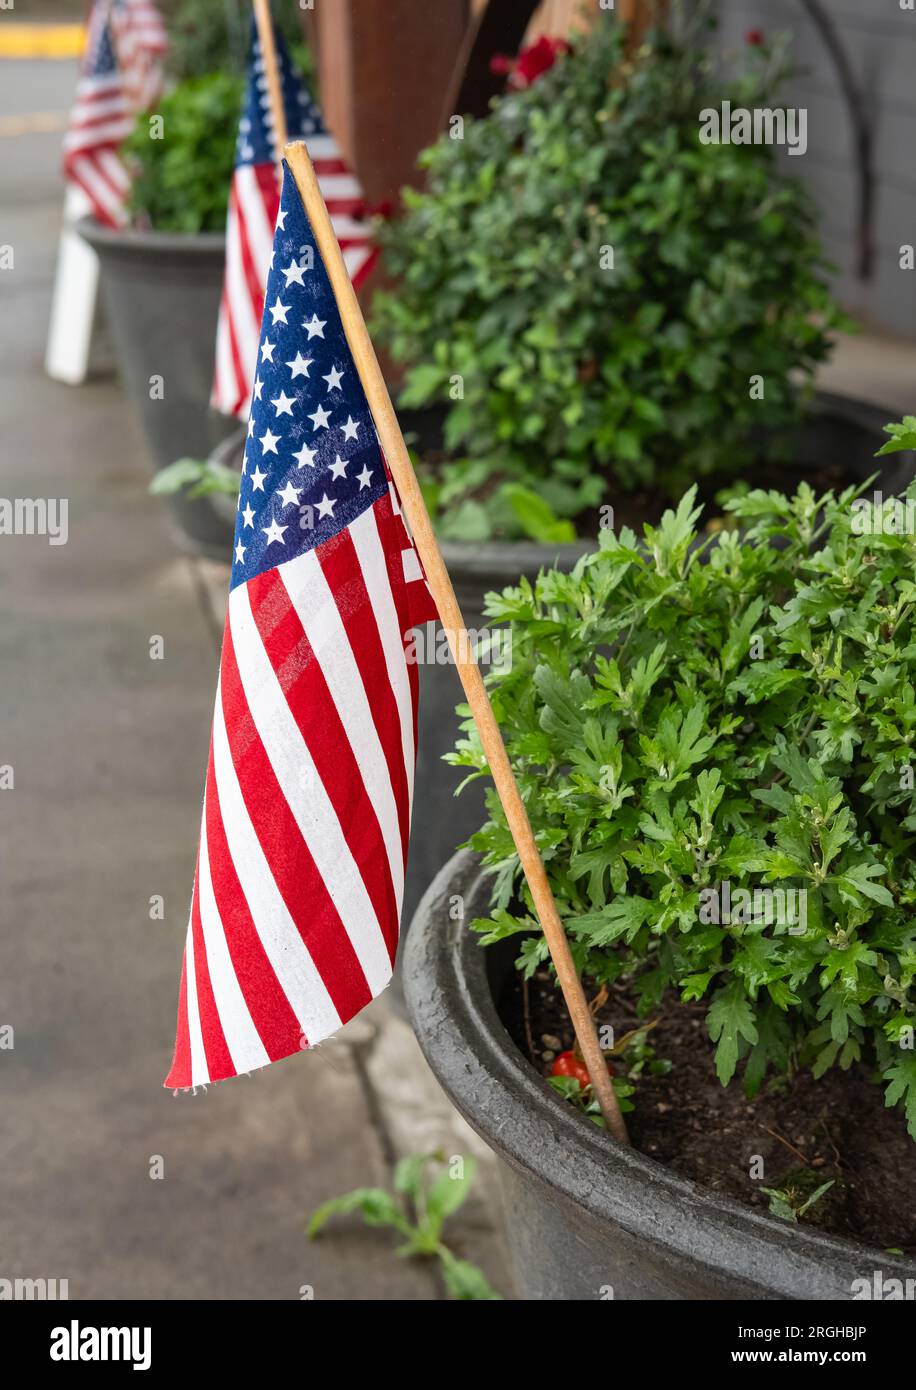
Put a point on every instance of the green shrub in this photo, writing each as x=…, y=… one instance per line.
x=570, y=370
x=181, y=182
x=212, y=35
x=682, y=714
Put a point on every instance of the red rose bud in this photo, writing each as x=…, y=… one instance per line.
x=537, y=59
x=754, y=37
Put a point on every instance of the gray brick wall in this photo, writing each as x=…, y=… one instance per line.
x=880, y=39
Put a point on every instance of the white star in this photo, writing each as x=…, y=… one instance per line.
x=278, y=312
x=245, y=462
x=306, y=457
x=257, y=480
x=239, y=553
x=289, y=495
x=258, y=388
x=364, y=478
x=281, y=219
x=273, y=532
x=293, y=271
x=282, y=404
x=300, y=365
x=267, y=350
x=321, y=418
x=314, y=326
x=269, y=443
x=351, y=428
x=326, y=506
x=250, y=426
x=333, y=379
x=339, y=468
x=248, y=515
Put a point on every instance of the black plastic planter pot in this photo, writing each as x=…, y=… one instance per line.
x=161, y=294
x=585, y=1215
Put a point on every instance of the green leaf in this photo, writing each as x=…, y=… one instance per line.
x=730, y=1019
x=465, y=1281
x=536, y=518
x=449, y=1192
x=901, y=1078
x=376, y=1206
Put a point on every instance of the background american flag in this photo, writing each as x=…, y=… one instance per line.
x=141, y=44
x=303, y=844
x=253, y=202
x=101, y=118
x=122, y=74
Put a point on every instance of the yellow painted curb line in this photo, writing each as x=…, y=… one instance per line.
x=41, y=40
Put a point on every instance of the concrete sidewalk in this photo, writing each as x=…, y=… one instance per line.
x=108, y=749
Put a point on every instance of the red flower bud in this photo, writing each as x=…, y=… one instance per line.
x=754, y=37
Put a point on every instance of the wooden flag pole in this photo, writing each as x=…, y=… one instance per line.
x=271, y=71
x=395, y=451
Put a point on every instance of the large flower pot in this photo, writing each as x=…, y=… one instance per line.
x=587, y=1218
x=161, y=293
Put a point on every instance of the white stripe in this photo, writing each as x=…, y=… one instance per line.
x=288, y=954
x=257, y=225
x=410, y=562
x=199, y=1074
x=84, y=172
x=355, y=257
x=90, y=137
x=225, y=392
x=114, y=169
x=311, y=596
x=242, y=315
x=305, y=793
x=322, y=147
x=242, y=1038
x=371, y=555
x=338, y=186
x=345, y=226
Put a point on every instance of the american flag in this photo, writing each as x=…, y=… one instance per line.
x=253, y=201
x=303, y=843
x=101, y=118
x=141, y=44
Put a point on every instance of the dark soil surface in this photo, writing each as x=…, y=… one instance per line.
x=806, y=1132
x=633, y=508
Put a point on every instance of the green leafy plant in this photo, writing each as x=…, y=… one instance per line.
x=181, y=181
x=418, y=1213
x=740, y=709
x=795, y=1199
x=205, y=37
x=197, y=477
x=604, y=286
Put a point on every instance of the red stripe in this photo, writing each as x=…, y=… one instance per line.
x=293, y=868
x=338, y=560
x=255, y=279
x=271, y=1013
x=219, y=1062
x=312, y=706
x=180, y=1070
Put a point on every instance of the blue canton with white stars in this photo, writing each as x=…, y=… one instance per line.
x=312, y=457
x=256, y=143
x=100, y=60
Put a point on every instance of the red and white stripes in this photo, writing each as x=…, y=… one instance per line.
x=303, y=846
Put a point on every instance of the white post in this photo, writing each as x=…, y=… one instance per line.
x=75, y=292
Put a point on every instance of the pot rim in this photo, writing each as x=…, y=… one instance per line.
x=519, y=1116
x=130, y=239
